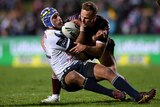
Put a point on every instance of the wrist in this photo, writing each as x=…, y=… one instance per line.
x=82, y=29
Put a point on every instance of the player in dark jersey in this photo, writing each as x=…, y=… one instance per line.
x=94, y=31
x=93, y=38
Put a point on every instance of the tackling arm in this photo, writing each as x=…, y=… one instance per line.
x=95, y=50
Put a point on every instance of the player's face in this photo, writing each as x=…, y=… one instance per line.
x=57, y=21
x=87, y=17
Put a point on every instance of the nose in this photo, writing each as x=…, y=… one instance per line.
x=59, y=18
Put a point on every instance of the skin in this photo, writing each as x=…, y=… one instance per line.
x=87, y=18
x=57, y=21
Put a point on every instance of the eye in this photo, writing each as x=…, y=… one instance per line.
x=55, y=16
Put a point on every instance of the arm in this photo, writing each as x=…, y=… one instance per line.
x=96, y=50
x=81, y=36
x=76, y=19
x=42, y=44
x=101, y=35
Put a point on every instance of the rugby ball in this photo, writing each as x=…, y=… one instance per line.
x=70, y=30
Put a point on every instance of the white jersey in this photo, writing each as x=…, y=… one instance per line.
x=56, y=45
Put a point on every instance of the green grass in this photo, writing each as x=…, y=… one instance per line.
x=28, y=86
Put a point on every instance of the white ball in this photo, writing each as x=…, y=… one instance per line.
x=70, y=30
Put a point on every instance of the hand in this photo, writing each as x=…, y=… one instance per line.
x=77, y=22
x=100, y=34
x=78, y=48
x=80, y=24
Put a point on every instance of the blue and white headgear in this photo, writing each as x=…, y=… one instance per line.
x=46, y=16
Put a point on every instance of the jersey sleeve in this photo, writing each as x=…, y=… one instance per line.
x=64, y=43
x=104, y=25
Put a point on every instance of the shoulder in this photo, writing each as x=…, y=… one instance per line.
x=102, y=22
x=100, y=19
x=53, y=35
x=53, y=32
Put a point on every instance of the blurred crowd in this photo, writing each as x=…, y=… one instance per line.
x=22, y=17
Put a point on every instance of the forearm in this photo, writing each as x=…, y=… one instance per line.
x=81, y=56
x=81, y=37
x=94, y=51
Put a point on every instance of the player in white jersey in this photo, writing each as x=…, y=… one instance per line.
x=56, y=45
x=74, y=74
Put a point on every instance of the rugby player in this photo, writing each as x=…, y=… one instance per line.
x=93, y=41
x=75, y=74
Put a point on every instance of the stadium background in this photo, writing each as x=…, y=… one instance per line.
x=134, y=25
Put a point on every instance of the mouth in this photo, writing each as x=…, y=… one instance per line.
x=61, y=23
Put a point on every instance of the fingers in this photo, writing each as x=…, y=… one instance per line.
x=78, y=48
x=74, y=48
x=77, y=22
x=76, y=43
x=76, y=51
x=101, y=33
x=105, y=34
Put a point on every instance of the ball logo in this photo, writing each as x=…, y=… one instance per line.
x=71, y=32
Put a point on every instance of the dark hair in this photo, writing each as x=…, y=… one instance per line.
x=90, y=6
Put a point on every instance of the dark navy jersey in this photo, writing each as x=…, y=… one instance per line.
x=100, y=24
